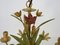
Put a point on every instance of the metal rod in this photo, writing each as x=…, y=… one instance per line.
x=30, y=3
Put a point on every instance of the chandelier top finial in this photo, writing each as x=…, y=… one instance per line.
x=29, y=7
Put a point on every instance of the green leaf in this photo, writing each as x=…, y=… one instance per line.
x=45, y=22
x=25, y=39
x=34, y=37
x=18, y=39
x=43, y=33
x=39, y=40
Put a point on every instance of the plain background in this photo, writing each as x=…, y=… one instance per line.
x=50, y=9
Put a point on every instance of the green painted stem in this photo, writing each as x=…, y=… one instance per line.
x=29, y=30
x=18, y=19
x=39, y=40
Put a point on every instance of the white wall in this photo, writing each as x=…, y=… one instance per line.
x=50, y=9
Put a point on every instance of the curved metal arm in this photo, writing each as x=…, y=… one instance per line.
x=30, y=3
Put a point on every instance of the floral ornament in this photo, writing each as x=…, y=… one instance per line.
x=28, y=36
x=45, y=36
x=38, y=13
x=30, y=19
x=18, y=14
x=58, y=43
x=5, y=37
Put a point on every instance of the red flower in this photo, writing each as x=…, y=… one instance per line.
x=30, y=19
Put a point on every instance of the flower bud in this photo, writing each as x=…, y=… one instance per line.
x=5, y=37
x=18, y=14
x=38, y=13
